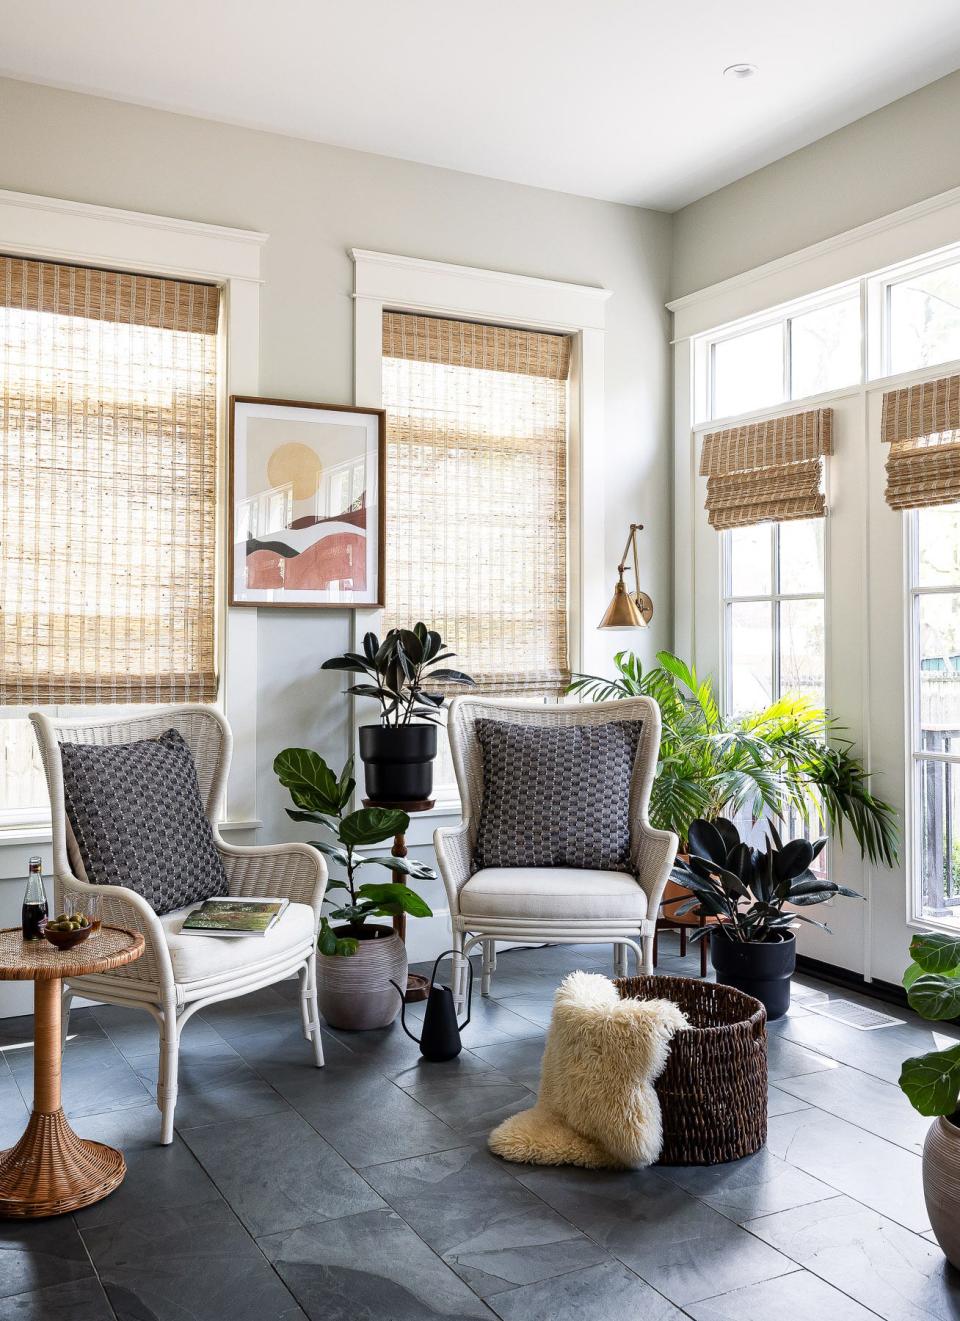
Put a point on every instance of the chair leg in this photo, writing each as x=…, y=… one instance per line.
x=167, y=1077
x=66, y=1000
x=459, y=979
x=655, y=941
x=683, y=942
x=309, y=1009
x=489, y=965
x=703, y=950
x=649, y=944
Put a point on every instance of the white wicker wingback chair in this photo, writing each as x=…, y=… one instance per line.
x=177, y=975
x=553, y=904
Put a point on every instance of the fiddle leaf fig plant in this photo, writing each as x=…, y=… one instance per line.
x=397, y=671
x=932, y=981
x=322, y=797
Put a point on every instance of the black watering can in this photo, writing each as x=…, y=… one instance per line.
x=440, y=1038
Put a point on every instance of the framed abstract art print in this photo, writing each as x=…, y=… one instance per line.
x=306, y=504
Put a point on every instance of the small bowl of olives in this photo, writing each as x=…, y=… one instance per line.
x=68, y=929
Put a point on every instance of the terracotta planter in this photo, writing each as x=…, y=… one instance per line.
x=354, y=992
x=941, y=1185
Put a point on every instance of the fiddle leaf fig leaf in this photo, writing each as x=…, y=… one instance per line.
x=311, y=782
x=935, y=996
x=936, y=951
x=932, y=1082
x=391, y=898
x=372, y=825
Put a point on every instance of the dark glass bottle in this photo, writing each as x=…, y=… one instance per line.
x=34, y=913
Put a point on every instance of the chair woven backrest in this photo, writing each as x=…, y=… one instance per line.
x=204, y=730
x=468, y=758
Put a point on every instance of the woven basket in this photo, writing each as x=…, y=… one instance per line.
x=713, y=1092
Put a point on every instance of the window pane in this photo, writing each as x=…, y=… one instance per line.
x=938, y=546
x=751, y=651
x=939, y=656
x=924, y=314
x=939, y=825
x=802, y=649
x=23, y=787
x=801, y=557
x=748, y=371
x=750, y=559
x=825, y=348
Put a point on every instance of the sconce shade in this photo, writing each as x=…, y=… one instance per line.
x=623, y=611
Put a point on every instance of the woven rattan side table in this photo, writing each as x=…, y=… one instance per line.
x=51, y=1170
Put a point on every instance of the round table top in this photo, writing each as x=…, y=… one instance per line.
x=38, y=960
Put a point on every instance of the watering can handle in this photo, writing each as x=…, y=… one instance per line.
x=403, y=1011
x=433, y=978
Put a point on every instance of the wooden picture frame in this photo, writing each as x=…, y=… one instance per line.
x=307, y=519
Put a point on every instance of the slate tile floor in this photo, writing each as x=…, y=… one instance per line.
x=364, y=1192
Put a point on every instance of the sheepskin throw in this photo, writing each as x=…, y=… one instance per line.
x=596, y=1106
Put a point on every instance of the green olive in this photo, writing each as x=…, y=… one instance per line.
x=62, y=917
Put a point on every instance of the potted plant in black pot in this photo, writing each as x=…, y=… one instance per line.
x=752, y=945
x=358, y=959
x=932, y=1082
x=398, y=752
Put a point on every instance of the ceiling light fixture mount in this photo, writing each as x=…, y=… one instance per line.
x=740, y=71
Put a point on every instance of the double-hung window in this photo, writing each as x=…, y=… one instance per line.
x=108, y=470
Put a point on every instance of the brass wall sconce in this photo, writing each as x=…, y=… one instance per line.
x=626, y=610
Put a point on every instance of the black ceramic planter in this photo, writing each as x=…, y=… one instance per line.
x=761, y=968
x=398, y=761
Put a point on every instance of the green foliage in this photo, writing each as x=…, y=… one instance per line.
x=932, y=1081
x=397, y=670
x=747, y=887
x=322, y=798
x=786, y=759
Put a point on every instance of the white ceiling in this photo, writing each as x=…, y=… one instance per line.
x=618, y=99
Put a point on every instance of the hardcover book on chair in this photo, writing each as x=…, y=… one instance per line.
x=234, y=917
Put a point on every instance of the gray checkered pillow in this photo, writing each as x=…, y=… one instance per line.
x=137, y=818
x=556, y=796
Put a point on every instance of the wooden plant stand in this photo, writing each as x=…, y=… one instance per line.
x=418, y=987
x=51, y=1170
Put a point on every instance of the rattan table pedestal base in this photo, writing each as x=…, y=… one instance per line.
x=51, y=1170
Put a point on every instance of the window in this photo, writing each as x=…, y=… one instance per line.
x=807, y=352
x=108, y=426
x=923, y=319
x=774, y=613
x=477, y=495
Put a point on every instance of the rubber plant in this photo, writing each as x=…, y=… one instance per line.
x=322, y=798
x=398, y=670
x=789, y=758
x=932, y=981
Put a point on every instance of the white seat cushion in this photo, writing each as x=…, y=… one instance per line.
x=553, y=893
x=202, y=958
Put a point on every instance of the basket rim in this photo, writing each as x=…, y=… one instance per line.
x=757, y=1016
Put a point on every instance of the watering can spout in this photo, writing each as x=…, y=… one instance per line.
x=440, y=1038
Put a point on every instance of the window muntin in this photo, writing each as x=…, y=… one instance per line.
x=934, y=560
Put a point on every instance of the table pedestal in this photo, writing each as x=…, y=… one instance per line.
x=51, y=1170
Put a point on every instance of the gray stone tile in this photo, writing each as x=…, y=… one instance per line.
x=678, y=1244
x=494, y=1232
x=134, y=1032
x=785, y=1059
x=93, y=1085
x=192, y=1262
x=370, y=1265
x=780, y=1102
x=13, y=1111
x=214, y=1066
x=880, y=1107
x=491, y=1022
x=388, y=1050
x=519, y=1060
x=853, y=1161
x=277, y=1173
x=474, y=1105
x=607, y=1292
x=37, y=1253
x=537, y=1008
x=77, y=1300
x=896, y=1274
x=424, y=1075
x=880, y=1053
x=393, y=1123
x=157, y=1177
x=245, y=1008
x=795, y=1297
x=757, y=1185
x=219, y=1105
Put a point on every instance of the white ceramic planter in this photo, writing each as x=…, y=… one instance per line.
x=941, y=1185
x=354, y=992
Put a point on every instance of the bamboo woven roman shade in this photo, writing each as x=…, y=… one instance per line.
x=767, y=471
x=477, y=495
x=921, y=424
x=108, y=417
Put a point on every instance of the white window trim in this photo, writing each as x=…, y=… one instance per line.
x=53, y=229
x=408, y=284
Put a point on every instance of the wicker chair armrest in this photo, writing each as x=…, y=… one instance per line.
x=120, y=907
x=654, y=855
x=452, y=847
x=296, y=872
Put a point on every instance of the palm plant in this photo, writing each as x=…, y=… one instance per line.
x=788, y=759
